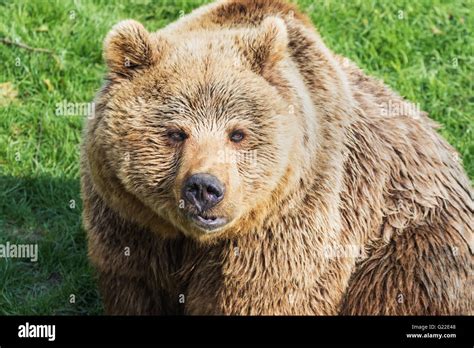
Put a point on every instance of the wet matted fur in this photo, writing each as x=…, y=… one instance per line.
x=345, y=209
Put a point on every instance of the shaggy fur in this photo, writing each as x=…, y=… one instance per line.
x=346, y=210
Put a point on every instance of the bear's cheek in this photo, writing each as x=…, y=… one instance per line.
x=147, y=171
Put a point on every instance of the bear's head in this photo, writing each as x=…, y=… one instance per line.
x=200, y=128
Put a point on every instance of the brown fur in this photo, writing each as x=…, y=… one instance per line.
x=331, y=173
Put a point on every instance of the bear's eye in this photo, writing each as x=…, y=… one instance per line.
x=177, y=136
x=237, y=136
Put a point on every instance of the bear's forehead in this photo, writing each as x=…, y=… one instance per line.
x=202, y=40
x=203, y=84
x=203, y=49
x=211, y=99
x=197, y=102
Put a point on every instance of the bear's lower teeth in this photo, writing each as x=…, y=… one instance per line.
x=208, y=218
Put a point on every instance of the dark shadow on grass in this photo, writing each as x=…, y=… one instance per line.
x=45, y=211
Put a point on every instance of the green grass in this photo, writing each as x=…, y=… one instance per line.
x=426, y=56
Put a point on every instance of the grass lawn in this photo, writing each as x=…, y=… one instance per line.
x=423, y=49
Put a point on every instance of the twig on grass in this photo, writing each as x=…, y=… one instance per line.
x=24, y=46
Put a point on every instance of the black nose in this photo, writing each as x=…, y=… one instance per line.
x=203, y=191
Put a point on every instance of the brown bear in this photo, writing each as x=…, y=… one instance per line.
x=237, y=166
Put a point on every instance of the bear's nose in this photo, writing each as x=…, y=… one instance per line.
x=203, y=191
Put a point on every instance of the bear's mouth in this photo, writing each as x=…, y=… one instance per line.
x=208, y=222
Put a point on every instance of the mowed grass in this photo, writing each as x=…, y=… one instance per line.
x=423, y=49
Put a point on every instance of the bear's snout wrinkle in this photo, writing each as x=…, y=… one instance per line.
x=203, y=191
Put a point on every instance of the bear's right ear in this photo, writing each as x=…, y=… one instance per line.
x=266, y=45
x=128, y=48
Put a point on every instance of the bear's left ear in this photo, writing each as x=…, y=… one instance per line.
x=265, y=45
x=129, y=47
